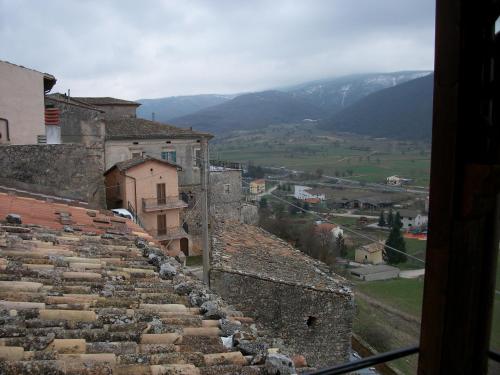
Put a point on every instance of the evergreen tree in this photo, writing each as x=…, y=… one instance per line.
x=397, y=221
x=263, y=202
x=381, y=219
x=395, y=241
x=341, y=246
x=390, y=218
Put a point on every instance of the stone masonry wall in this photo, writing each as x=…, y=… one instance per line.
x=67, y=170
x=314, y=323
x=225, y=197
x=79, y=124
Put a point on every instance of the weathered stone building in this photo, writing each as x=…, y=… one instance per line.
x=292, y=296
x=79, y=122
x=225, y=196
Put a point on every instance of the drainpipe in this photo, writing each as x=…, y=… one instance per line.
x=7, y=123
x=135, y=195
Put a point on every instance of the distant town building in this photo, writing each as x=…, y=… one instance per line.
x=371, y=253
x=258, y=186
x=149, y=188
x=376, y=272
x=412, y=218
x=369, y=203
x=305, y=192
x=22, y=109
x=397, y=181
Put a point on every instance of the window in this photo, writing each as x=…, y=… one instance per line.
x=137, y=154
x=169, y=156
x=197, y=157
x=227, y=188
x=161, y=221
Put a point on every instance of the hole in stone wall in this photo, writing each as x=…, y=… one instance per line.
x=311, y=321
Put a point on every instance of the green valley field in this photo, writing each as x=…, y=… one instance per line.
x=355, y=157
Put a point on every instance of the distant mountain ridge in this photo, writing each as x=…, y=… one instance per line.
x=335, y=94
x=250, y=111
x=319, y=100
x=165, y=109
x=403, y=111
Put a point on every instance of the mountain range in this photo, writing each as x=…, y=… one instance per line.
x=328, y=102
x=403, y=111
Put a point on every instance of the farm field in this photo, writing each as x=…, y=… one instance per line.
x=352, y=157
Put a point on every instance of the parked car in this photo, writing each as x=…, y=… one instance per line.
x=122, y=213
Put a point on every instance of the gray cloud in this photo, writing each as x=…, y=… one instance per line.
x=134, y=49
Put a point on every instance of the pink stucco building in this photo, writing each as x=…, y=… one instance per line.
x=149, y=188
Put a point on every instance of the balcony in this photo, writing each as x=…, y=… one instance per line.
x=158, y=204
x=169, y=234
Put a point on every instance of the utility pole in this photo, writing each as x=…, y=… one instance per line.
x=204, y=210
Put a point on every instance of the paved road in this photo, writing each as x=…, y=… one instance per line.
x=412, y=274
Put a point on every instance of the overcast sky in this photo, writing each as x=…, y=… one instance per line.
x=154, y=48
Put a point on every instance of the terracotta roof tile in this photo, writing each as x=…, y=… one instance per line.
x=72, y=303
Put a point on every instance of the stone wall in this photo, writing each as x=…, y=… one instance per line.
x=191, y=216
x=249, y=214
x=67, y=170
x=296, y=299
x=79, y=124
x=225, y=197
x=316, y=324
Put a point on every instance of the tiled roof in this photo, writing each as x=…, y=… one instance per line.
x=373, y=247
x=130, y=163
x=74, y=303
x=249, y=250
x=57, y=215
x=136, y=128
x=61, y=98
x=105, y=101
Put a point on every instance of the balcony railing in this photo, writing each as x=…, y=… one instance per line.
x=169, y=234
x=157, y=204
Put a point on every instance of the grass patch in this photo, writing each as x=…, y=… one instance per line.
x=402, y=294
x=196, y=260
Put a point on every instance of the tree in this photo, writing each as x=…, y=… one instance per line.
x=306, y=206
x=381, y=220
x=397, y=221
x=395, y=241
x=319, y=172
x=390, y=218
x=263, y=202
x=341, y=246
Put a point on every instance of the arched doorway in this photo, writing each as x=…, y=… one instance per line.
x=185, y=246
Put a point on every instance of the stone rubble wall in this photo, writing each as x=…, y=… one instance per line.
x=225, y=196
x=68, y=170
x=314, y=323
